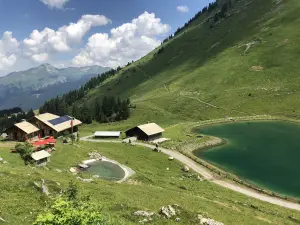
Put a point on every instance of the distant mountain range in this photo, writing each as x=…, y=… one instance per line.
x=31, y=88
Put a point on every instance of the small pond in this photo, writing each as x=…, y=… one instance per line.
x=106, y=170
x=266, y=154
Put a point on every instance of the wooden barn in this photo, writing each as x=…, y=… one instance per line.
x=53, y=125
x=146, y=132
x=22, y=131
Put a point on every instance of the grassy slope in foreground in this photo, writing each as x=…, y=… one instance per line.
x=152, y=187
x=211, y=65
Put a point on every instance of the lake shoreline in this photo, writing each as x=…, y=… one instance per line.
x=223, y=173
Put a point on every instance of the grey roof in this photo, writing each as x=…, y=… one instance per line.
x=40, y=155
x=107, y=134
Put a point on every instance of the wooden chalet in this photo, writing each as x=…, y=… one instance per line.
x=53, y=125
x=23, y=131
x=146, y=132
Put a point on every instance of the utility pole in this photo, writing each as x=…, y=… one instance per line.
x=72, y=137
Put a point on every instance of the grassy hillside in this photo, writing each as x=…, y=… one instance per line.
x=245, y=64
x=152, y=187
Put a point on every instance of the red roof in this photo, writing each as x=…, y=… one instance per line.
x=50, y=140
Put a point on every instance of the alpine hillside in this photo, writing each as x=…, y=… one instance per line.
x=234, y=62
x=30, y=88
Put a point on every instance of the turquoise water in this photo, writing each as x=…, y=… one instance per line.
x=266, y=154
x=106, y=170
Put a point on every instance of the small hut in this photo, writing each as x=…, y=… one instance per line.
x=22, y=131
x=146, y=132
x=41, y=158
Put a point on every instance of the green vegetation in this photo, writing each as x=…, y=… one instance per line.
x=244, y=63
x=71, y=210
x=9, y=117
x=25, y=150
x=152, y=187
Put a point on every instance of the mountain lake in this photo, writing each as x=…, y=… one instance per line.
x=263, y=153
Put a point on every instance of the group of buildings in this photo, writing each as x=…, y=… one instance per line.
x=43, y=125
x=48, y=124
x=145, y=132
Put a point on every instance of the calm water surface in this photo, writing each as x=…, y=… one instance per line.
x=264, y=153
x=106, y=170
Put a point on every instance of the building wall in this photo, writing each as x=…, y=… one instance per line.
x=17, y=134
x=136, y=132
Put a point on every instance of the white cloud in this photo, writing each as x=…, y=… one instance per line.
x=43, y=43
x=125, y=43
x=182, y=8
x=8, y=50
x=59, y=4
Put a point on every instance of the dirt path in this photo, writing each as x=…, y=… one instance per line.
x=209, y=175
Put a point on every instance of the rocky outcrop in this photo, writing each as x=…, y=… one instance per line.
x=186, y=169
x=208, y=221
x=169, y=211
x=95, y=155
x=85, y=180
x=143, y=213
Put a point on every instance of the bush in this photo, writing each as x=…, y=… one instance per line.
x=71, y=210
x=25, y=150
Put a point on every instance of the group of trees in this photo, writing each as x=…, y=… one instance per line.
x=103, y=110
x=60, y=104
x=106, y=109
x=9, y=117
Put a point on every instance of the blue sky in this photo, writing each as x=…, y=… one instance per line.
x=90, y=39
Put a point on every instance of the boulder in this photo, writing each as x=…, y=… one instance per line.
x=143, y=213
x=171, y=158
x=84, y=180
x=58, y=170
x=208, y=221
x=168, y=211
x=186, y=169
x=73, y=170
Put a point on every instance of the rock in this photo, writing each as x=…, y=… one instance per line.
x=84, y=180
x=156, y=150
x=58, y=170
x=36, y=184
x=143, y=221
x=95, y=155
x=168, y=211
x=171, y=158
x=177, y=219
x=208, y=221
x=143, y=213
x=186, y=169
x=73, y=170
x=45, y=188
x=199, y=178
x=168, y=168
x=96, y=176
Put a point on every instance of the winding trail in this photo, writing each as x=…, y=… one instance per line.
x=209, y=175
